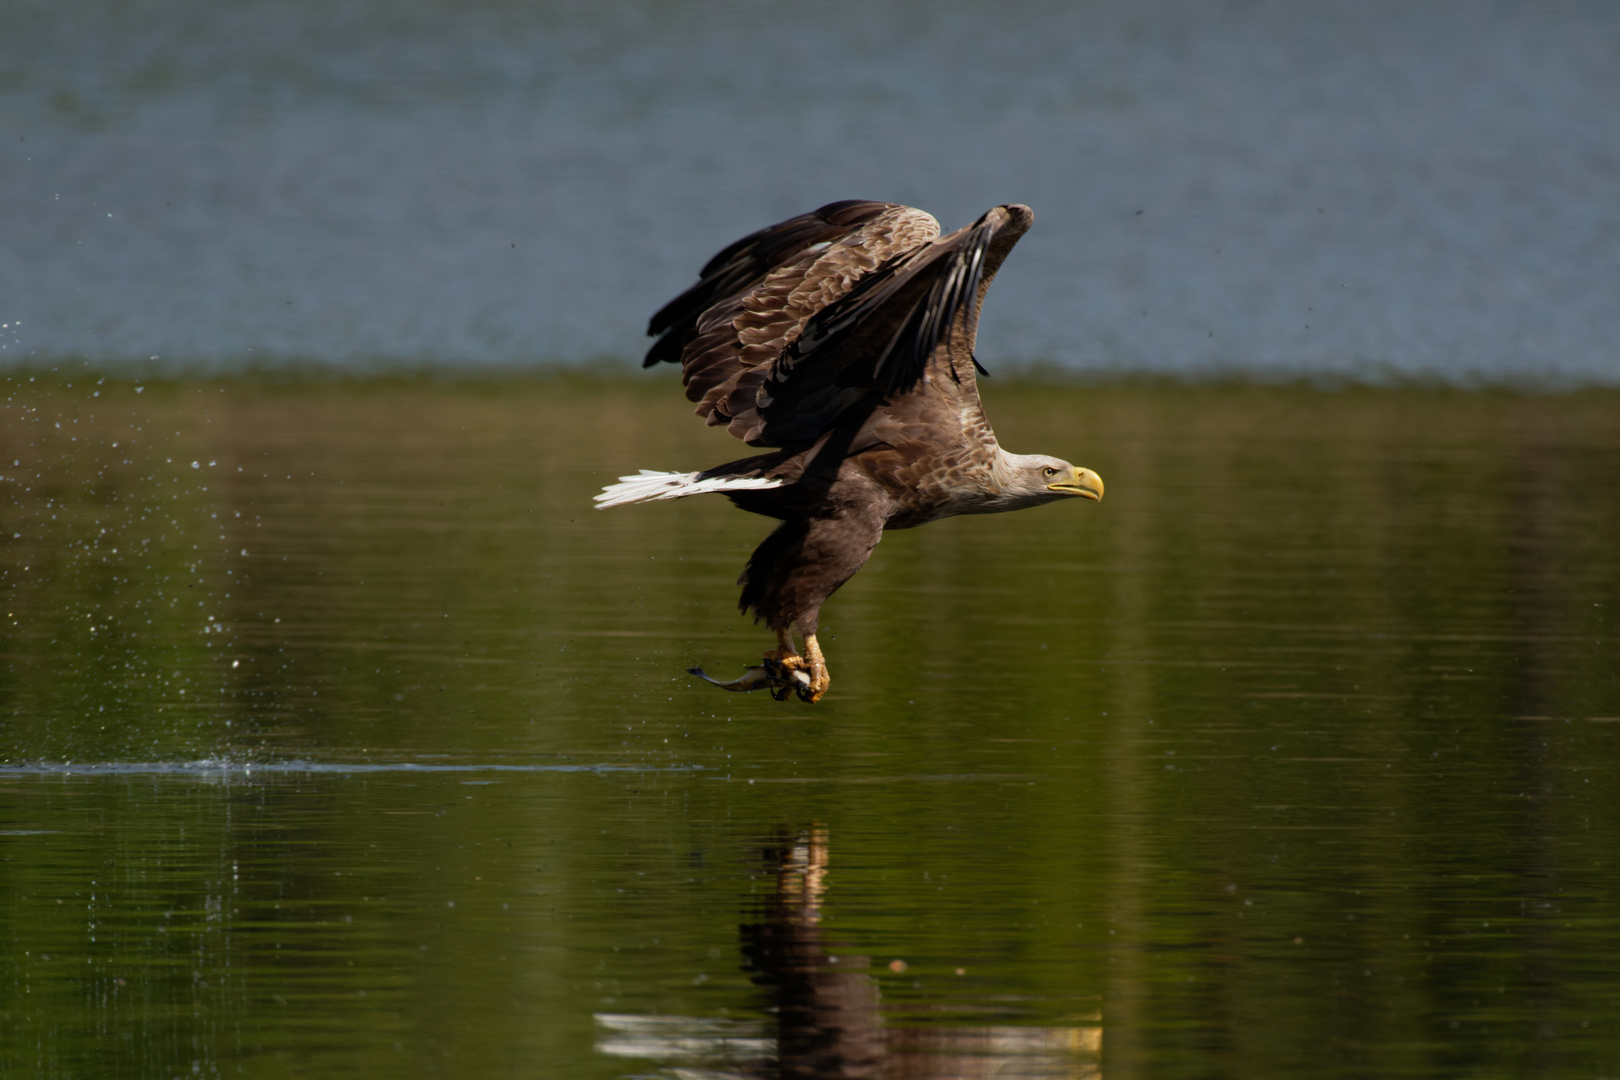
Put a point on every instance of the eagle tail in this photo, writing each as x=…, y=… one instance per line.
x=649, y=486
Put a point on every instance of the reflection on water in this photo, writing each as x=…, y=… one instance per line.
x=365, y=747
x=827, y=1009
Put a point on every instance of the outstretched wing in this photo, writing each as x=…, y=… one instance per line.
x=741, y=265
x=755, y=297
x=881, y=337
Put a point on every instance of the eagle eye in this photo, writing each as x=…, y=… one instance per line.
x=1049, y=471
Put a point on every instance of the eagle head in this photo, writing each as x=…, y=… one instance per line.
x=1031, y=479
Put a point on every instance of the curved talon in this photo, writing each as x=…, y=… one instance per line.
x=820, y=679
x=787, y=671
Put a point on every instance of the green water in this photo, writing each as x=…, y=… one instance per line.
x=363, y=746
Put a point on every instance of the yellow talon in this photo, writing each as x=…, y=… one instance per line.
x=820, y=679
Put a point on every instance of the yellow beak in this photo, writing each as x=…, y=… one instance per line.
x=1085, y=483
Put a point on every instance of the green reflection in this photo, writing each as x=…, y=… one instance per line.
x=1293, y=757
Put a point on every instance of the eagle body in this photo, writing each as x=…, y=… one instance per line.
x=842, y=340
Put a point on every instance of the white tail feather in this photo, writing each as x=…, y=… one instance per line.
x=648, y=486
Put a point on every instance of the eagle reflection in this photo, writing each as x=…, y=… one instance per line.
x=826, y=1018
x=826, y=1006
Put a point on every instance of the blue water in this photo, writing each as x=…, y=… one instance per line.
x=1303, y=188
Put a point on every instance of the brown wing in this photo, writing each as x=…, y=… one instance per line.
x=754, y=298
x=889, y=333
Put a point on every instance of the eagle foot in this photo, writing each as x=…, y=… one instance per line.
x=803, y=675
x=819, y=682
x=789, y=673
x=820, y=678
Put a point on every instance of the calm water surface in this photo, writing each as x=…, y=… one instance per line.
x=339, y=736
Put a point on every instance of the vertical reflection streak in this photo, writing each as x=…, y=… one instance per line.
x=1130, y=697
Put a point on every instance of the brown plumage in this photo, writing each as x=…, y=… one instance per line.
x=843, y=338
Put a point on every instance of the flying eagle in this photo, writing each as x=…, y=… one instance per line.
x=842, y=340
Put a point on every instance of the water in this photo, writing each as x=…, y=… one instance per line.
x=1287, y=189
x=365, y=747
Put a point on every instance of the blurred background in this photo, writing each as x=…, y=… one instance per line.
x=1282, y=189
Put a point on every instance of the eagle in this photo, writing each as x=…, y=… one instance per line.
x=840, y=343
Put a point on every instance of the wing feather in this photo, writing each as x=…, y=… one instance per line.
x=792, y=325
x=743, y=263
x=756, y=296
x=880, y=337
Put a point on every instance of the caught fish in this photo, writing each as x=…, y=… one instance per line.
x=772, y=675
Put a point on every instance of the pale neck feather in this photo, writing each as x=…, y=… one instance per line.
x=1005, y=492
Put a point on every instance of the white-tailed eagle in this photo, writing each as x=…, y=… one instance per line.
x=842, y=340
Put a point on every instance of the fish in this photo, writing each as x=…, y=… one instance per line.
x=772, y=675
